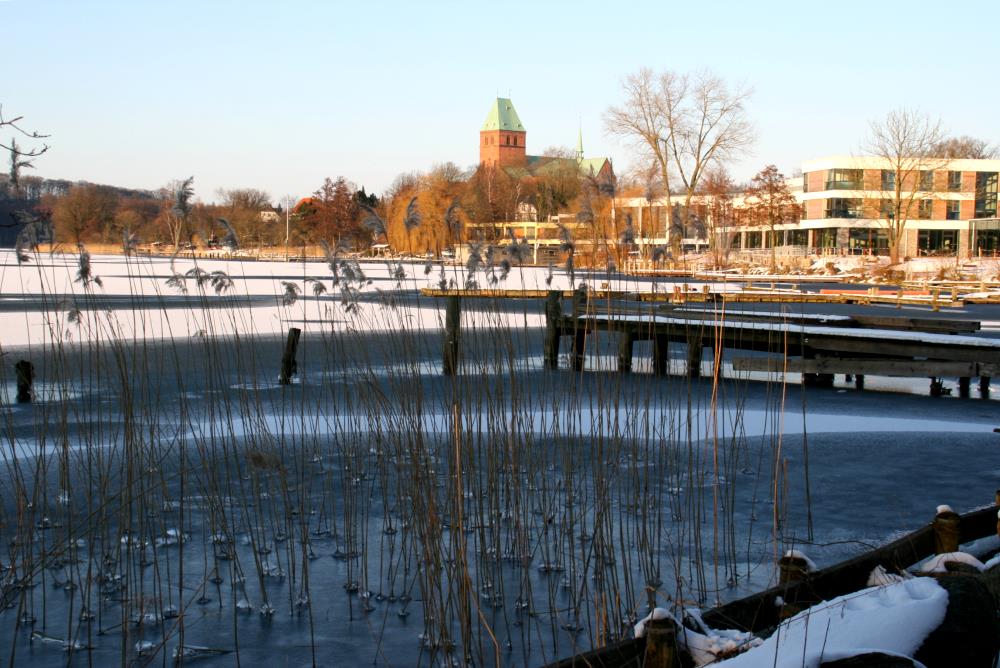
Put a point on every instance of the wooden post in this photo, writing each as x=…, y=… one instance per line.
x=859, y=381
x=553, y=315
x=25, y=371
x=452, y=332
x=934, y=299
x=579, y=347
x=937, y=387
x=695, y=348
x=661, y=644
x=946, y=530
x=288, y=365
x=963, y=386
x=661, y=354
x=984, y=386
x=626, y=342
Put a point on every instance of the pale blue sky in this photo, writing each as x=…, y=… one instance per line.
x=279, y=95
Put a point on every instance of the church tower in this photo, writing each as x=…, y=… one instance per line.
x=502, y=137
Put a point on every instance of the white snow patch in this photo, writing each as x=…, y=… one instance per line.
x=937, y=564
x=797, y=554
x=894, y=619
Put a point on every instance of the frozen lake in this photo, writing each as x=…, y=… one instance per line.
x=164, y=491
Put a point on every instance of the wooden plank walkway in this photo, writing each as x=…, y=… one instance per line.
x=815, y=345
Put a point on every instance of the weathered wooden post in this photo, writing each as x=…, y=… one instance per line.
x=579, y=326
x=695, y=349
x=984, y=386
x=964, y=384
x=935, y=293
x=946, y=530
x=452, y=332
x=553, y=329
x=859, y=381
x=661, y=354
x=288, y=365
x=626, y=343
x=25, y=371
x=661, y=644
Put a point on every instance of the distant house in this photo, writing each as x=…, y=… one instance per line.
x=503, y=143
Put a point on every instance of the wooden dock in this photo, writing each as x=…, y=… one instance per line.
x=817, y=346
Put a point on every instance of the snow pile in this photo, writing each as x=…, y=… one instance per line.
x=937, y=564
x=880, y=577
x=797, y=554
x=891, y=619
x=704, y=645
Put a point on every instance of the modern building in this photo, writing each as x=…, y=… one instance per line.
x=849, y=203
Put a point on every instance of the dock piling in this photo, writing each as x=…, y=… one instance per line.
x=553, y=315
x=626, y=344
x=963, y=387
x=25, y=371
x=661, y=354
x=661, y=644
x=289, y=367
x=452, y=332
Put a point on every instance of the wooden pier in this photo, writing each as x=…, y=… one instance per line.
x=817, y=346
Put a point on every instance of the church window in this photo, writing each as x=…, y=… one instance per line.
x=508, y=140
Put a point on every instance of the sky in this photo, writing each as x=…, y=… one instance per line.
x=280, y=95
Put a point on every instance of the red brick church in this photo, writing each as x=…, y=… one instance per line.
x=503, y=143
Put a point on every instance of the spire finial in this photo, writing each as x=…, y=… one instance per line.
x=579, y=143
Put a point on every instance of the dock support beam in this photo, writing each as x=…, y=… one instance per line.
x=937, y=387
x=626, y=343
x=963, y=387
x=984, y=386
x=695, y=349
x=859, y=381
x=452, y=332
x=288, y=365
x=25, y=372
x=553, y=315
x=661, y=354
x=579, y=347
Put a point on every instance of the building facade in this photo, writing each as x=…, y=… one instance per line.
x=849, y=205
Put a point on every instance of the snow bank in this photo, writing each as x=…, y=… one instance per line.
x=893, y=619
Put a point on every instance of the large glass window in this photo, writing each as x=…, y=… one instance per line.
x=954, y=181
x=925, y=209
x=868, y=240
x=888, y=179
x=937, y=242
x=986, y=194
x=953, y=209
x=805, y=183
x=926, y=180
x=844, y=179
x=842, y=207
x=825, y=237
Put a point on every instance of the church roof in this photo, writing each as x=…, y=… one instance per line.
x=502, y=116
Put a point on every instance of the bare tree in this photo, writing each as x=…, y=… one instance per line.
x=965, y=147
x=905, y=142
x=684, y=123
x=768, y=203
x=15, y=124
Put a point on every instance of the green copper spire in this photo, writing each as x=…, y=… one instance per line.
x=502, y=116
